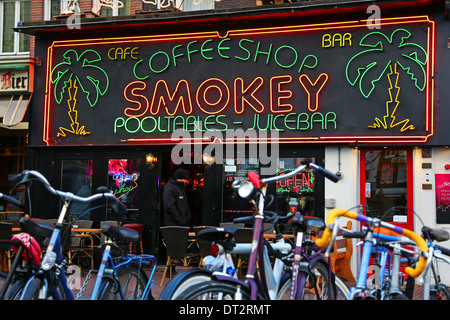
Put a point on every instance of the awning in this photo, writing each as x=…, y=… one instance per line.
x=13, y=108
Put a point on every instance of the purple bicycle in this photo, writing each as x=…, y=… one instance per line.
x=301, y=277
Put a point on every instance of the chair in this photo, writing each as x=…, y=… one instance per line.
x=139, y=228
x=243, y=235
x=203, y=245
x=82, y=244
x=175, y=239
x=232, y=224
x=5, y=249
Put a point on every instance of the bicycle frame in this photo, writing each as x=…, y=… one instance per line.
x=385, y=258
x=301, y=272
x=109, y=269
x=54, y=256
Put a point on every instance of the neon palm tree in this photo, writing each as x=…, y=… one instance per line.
x=78, y=71
x=411, y=57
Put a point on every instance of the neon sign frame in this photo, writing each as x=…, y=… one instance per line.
x=239, y=101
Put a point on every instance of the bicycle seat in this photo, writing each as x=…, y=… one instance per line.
x=120, y=234
x=37, y=227
x=216, y=234
x=435, y=234
x=311, y=223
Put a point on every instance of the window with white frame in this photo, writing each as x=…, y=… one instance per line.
x=58, y=7
x=11, y=13
x=195, y=5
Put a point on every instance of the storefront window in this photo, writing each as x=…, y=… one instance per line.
x=123, y=180
x=77, y=179
x=233, y=205
x=385, y=184
x=297, y=193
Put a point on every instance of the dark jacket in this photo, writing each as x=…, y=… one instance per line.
x=176, y=208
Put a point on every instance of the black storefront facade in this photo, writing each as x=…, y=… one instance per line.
x=124, y=102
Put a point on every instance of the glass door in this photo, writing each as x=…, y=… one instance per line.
x=386, y=182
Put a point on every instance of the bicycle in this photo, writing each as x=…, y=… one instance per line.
x=437, y=291
x=49, y=281
x=221, y=263
x=126, y=279
x=24, y=264
x=361, y=291
x=255, y=285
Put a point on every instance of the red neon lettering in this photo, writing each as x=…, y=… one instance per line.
x=277, y=94
x=203, y=100
x=243, y=96
x=141, y=101
x=310, y=87
x=162, y=97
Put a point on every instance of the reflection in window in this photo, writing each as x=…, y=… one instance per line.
x=233, y=205
x=77, y=179
x=385, y=185
x=297, y=193
x=123, y=180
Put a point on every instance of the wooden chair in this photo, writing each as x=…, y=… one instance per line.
x=82, y=244
x=175, y=239
x=341, y=255
x=203, y=245
x=139, y=228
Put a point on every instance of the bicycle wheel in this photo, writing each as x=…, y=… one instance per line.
x=15, y=290
x=183, y=281
x=215, y=290
x=132, y=284
x=442, y=294
x=311, y=291
x=342, y=291
x=31, y=290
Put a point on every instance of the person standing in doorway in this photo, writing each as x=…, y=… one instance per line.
x=176, y=208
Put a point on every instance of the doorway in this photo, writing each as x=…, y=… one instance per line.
x=386, y=183
x=194, y=190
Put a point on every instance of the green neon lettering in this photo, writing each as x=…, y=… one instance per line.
x=313, y=61
x=263, y=52
x=175, y=56
x=144, y=121
x=286, y=121
x=295, y=55
x=203, y=50
x=134, y=71
x=242, y=47
x=191, y=123
x=275, y=122
x=164, y=68
x=178, y=121
x=189, y=51
x=208, y=122
x=220, y=48
x=225, y=126
x=313, y=119
x=127, y=127
x=330, y=117
x=119, y=123
x=159, y=126
x=305, y=121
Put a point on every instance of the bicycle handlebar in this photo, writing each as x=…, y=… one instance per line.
x=257, y=182
x=28, y=175
x=11, y=200
x=421, y=243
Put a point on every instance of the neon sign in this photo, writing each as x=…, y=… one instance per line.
x=348, y=84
